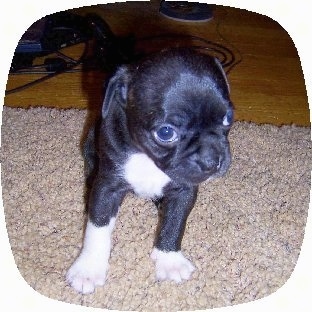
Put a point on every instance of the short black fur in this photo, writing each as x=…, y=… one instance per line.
x=179, y=87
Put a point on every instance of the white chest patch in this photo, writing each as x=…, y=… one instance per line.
x=146, y=179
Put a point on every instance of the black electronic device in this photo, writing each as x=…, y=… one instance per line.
x=47, y=36
x=50, y=34
x=54, y=32
x=31, y=39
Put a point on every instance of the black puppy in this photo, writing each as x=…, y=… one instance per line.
x=164, y=128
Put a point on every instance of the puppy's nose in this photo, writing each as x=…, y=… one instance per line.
x=210, y=165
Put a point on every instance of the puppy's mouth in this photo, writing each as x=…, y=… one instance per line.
x=207, y=174
x=209, y=167
x=196, y=172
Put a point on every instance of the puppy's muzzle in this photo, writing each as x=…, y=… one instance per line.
x=209, y=166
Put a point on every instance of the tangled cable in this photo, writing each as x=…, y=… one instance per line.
x=226, y=56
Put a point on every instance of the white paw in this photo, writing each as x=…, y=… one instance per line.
x=89, y=269
x=172, y=266
x=86, y=273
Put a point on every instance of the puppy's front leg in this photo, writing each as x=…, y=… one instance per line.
x=169, y=260
x=90, y=268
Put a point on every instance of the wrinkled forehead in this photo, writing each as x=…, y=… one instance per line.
x=188, y=83
x=196, y=98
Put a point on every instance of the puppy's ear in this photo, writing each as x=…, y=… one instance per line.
x=116, y=91
x=218, y=63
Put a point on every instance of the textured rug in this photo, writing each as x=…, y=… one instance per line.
x=244, y=234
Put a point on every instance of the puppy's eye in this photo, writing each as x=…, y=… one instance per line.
x=228, y=118
x=166, y=134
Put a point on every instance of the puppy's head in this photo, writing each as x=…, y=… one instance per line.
x=178, y=112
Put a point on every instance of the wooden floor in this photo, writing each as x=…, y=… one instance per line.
x=267, y=86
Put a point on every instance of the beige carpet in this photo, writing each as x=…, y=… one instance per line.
x=243, y=236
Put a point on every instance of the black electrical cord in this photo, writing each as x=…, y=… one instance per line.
x=39, y=80
x=68, y=68
x=226, y=56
